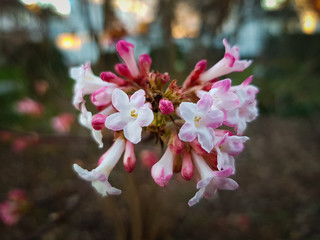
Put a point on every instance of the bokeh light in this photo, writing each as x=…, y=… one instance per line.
x=68, y=41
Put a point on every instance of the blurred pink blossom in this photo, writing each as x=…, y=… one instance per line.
x=62, y=123
x=41, y=87
x=27, y=106
x=12, y=209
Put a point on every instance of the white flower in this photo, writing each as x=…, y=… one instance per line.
x=200, y=119
x=211, y=180
x=132, y=116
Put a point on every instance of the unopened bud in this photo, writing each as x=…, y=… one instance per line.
x=176, y=145
x=145, y=64
x=112, y=78
x=125, y=50
x=166, y=106
x=123, y=70
x=98, y=121
x=129, y=158
x=187, y=167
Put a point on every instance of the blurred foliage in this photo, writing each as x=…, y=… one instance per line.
x=24, y=65
x=288, y=74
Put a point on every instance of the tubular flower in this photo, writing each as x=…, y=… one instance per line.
x=86, y=83
x=162, y=171
x=211, y=180
x=230, y=63
x=100, y=175
x=187, y=121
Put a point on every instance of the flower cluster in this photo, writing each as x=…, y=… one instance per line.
x=186, y=120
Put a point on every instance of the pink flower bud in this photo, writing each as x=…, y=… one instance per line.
x=112, y=78
x=98, y=121
x=166, y=106
x=129, y=158
x=187, y=167
x=145, y=64
x=200, y=66
x=102, y=96
x=176, y=145
x=193, y=78
x=148, y=158
x=125, y=50
x=162, y=171
x=123, y=70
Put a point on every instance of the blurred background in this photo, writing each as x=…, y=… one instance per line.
x=40, y=138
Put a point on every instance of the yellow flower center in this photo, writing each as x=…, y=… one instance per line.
x=196, y=121
x=134, y=113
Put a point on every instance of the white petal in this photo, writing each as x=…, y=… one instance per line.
x=206, y=138
x=187, y=132
x=138, y=99
x=187, y=111
x=120, y=100
x=196, y=197
x=213, y=118
x=97, y=136
x=145, y=116
x=132, y=132
x=227, y=184
x=115, y=122
x=105, y=188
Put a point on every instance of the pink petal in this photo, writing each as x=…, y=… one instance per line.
x=187, y=132
x=120, y=100
x=132, y=132
x=205, y=103
x=115, y=122
x=223, y=85
x=214, y=118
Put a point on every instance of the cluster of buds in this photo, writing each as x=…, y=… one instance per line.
x=186, y=120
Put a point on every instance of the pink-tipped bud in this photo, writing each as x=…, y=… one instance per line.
x=123, y=70
x=187, y=167
x=125, y=50
x=201, y=66
x=193, y=78
x=129, y=158
x=148, y=158
x=176, y=145
x=162, y=171
x=166, y=106
x=145, y=62
x=98, y=121
x=101, y=97
x=112, y=78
